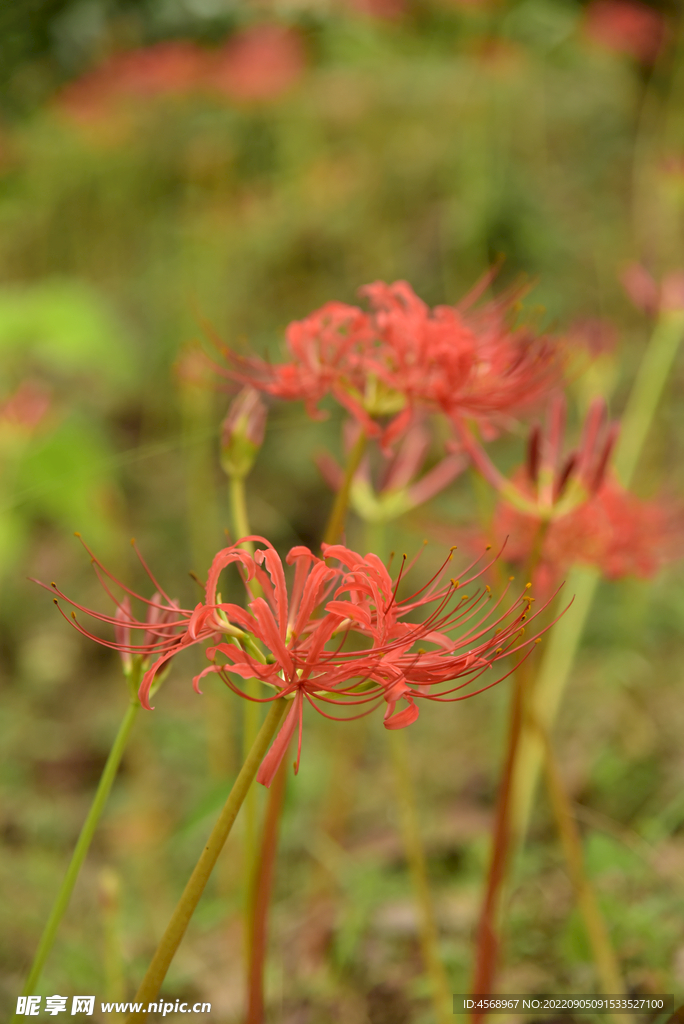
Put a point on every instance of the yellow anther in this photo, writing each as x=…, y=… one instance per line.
x=511, y=578
x=527, y=586
x=488, y=589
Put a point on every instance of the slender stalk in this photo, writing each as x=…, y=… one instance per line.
x=429, y=941
x=238, y=509
x=487, y=942
x=251, y=715
x=607, y=966
x=185, y=908
x=261, y=898
x=82, y=845
x=335, y=524
x=646, y=392
x=110, y=900
x=376, y=540
x=250, y=729
x=554, y=671
x=581, y=582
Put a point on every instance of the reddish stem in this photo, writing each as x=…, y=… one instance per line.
x=263, y=885
x=488, y=938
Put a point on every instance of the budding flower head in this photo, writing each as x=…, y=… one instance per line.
x=242, y=432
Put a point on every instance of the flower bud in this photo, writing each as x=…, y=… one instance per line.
x=242, y=432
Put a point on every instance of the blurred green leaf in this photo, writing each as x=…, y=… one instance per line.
x=64, y=327
x=68, y=479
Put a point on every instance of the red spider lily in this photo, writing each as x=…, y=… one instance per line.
x=342, y=637
x=552, y=486
x=612, y=530
x=359, y=649
x=572, y=508
x=403, y=355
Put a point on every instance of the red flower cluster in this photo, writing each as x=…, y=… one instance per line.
x=402, y=355
x=626, y=26
x=341, y=639
x=258, y=63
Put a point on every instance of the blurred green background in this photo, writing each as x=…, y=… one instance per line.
x=173, y=162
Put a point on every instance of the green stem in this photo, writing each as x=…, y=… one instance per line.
x=185, y=908
x=582, y=581
x=646, y=392
x=250, y=731
x=238, y=509
x=82, y=846
x=251, y=714
x=413, y=845
x=335, y=524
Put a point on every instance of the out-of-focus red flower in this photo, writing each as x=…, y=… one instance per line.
x=562, y=509
x=259, y=63
x=553, y=485
x=649, y=296
x=170, y=68
x=595, y=335
x=626, y=26
x=402, y=355
x=25, y=409
x=340, y=639
x=385, y=10
x=614, y=531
